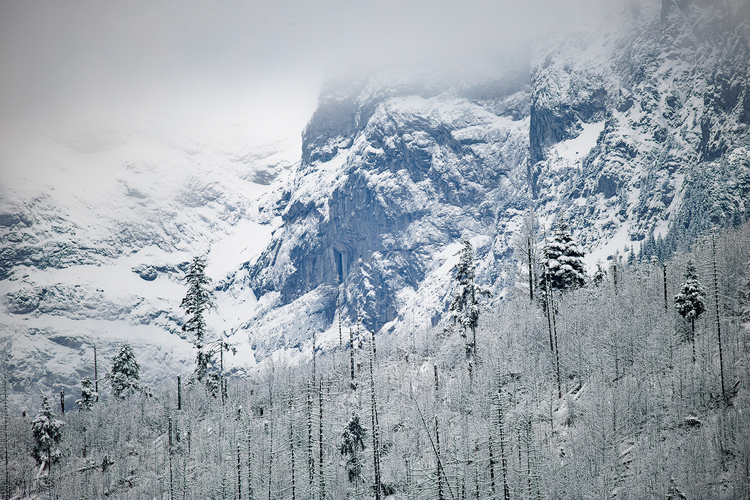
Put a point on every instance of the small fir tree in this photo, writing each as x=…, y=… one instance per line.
x=124, y=377
x=690, y=301
x=88, y=395
x=599, y=275
x=562, y=261
x=47, y=433
x=465, y=307
x=196, y=303
x=353, y=442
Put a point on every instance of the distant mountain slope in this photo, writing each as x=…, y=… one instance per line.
x=95, y=237
x=636, y=128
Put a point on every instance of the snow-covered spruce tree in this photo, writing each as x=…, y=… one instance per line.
x=196, y=303
x=465, y=306
x=88, y=395
x=124, y=377
x=352, y=442
x=690, y=301
x=562, y=260
x=47, y=433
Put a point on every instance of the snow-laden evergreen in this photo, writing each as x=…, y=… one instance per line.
x=633, y=406
x=88, y=395
x=690, y=301
x=47, y=433
x=561, y=262
x=124, y=377
x=466, y=305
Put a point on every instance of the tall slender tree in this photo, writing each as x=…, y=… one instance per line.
x=690, y=301
x=465, y=307
x=196, y=304
x=47, y=433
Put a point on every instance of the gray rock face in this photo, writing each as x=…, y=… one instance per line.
x=626, y=132
x=398, y=177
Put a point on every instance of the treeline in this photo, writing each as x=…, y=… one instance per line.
x=592, y=392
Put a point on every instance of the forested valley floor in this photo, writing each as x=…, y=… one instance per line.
x=599, y=396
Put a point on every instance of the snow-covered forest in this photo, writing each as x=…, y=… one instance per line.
x=611, y=390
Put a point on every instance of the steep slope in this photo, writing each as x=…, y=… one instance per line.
x=96, y=232
x=668, y=94
x=634, y=129
x=388, y=181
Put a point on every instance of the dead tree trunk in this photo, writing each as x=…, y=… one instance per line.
x=374, y=414
x=291, y=445
x=718, y=317
x=321, y=476
x=310, y=456
x=501, y=409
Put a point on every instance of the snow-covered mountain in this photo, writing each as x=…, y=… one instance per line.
x=96, y=233
x=635, y=129
x=630, y=131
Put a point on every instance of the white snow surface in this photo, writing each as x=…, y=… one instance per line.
x=124, y=204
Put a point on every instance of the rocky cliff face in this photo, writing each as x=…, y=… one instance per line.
x=669, y=91
x=629, y=131
x=391, y=175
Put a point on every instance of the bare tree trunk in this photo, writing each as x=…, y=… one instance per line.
x=291, y=445
x=374, y=414
x=692, y=338
x=503, y=443
x=249, y=465
x=439, y=467
x=179, y=393
x=310, y=456
x=239, y=473
x=351, y=354
x=96, y=376
x=664, y=274
x=171, y=478
x=531, y=269
x=338, y=310
x=557, y=351
x=492, y=466
x=321, y=476
x=270, y=448
x=718, y=317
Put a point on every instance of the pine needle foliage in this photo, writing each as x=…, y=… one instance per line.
x=465, y=307
x=124, y=377
x=47, y=433
x=196, y=303
x=690, y=302
x=562, y=260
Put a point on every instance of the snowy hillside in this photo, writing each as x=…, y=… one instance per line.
x=615, y=127
x=84, y=265
x=635, y=132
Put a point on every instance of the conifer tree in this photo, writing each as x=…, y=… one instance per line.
x=465, y=306
x=562, y=260
x=88, y=395
x=124, y=377
x=196, y=303
x=352, y=442
x=690, y=301
x=47, y=433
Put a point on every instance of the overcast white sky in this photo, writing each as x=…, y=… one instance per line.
x=257, y=63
